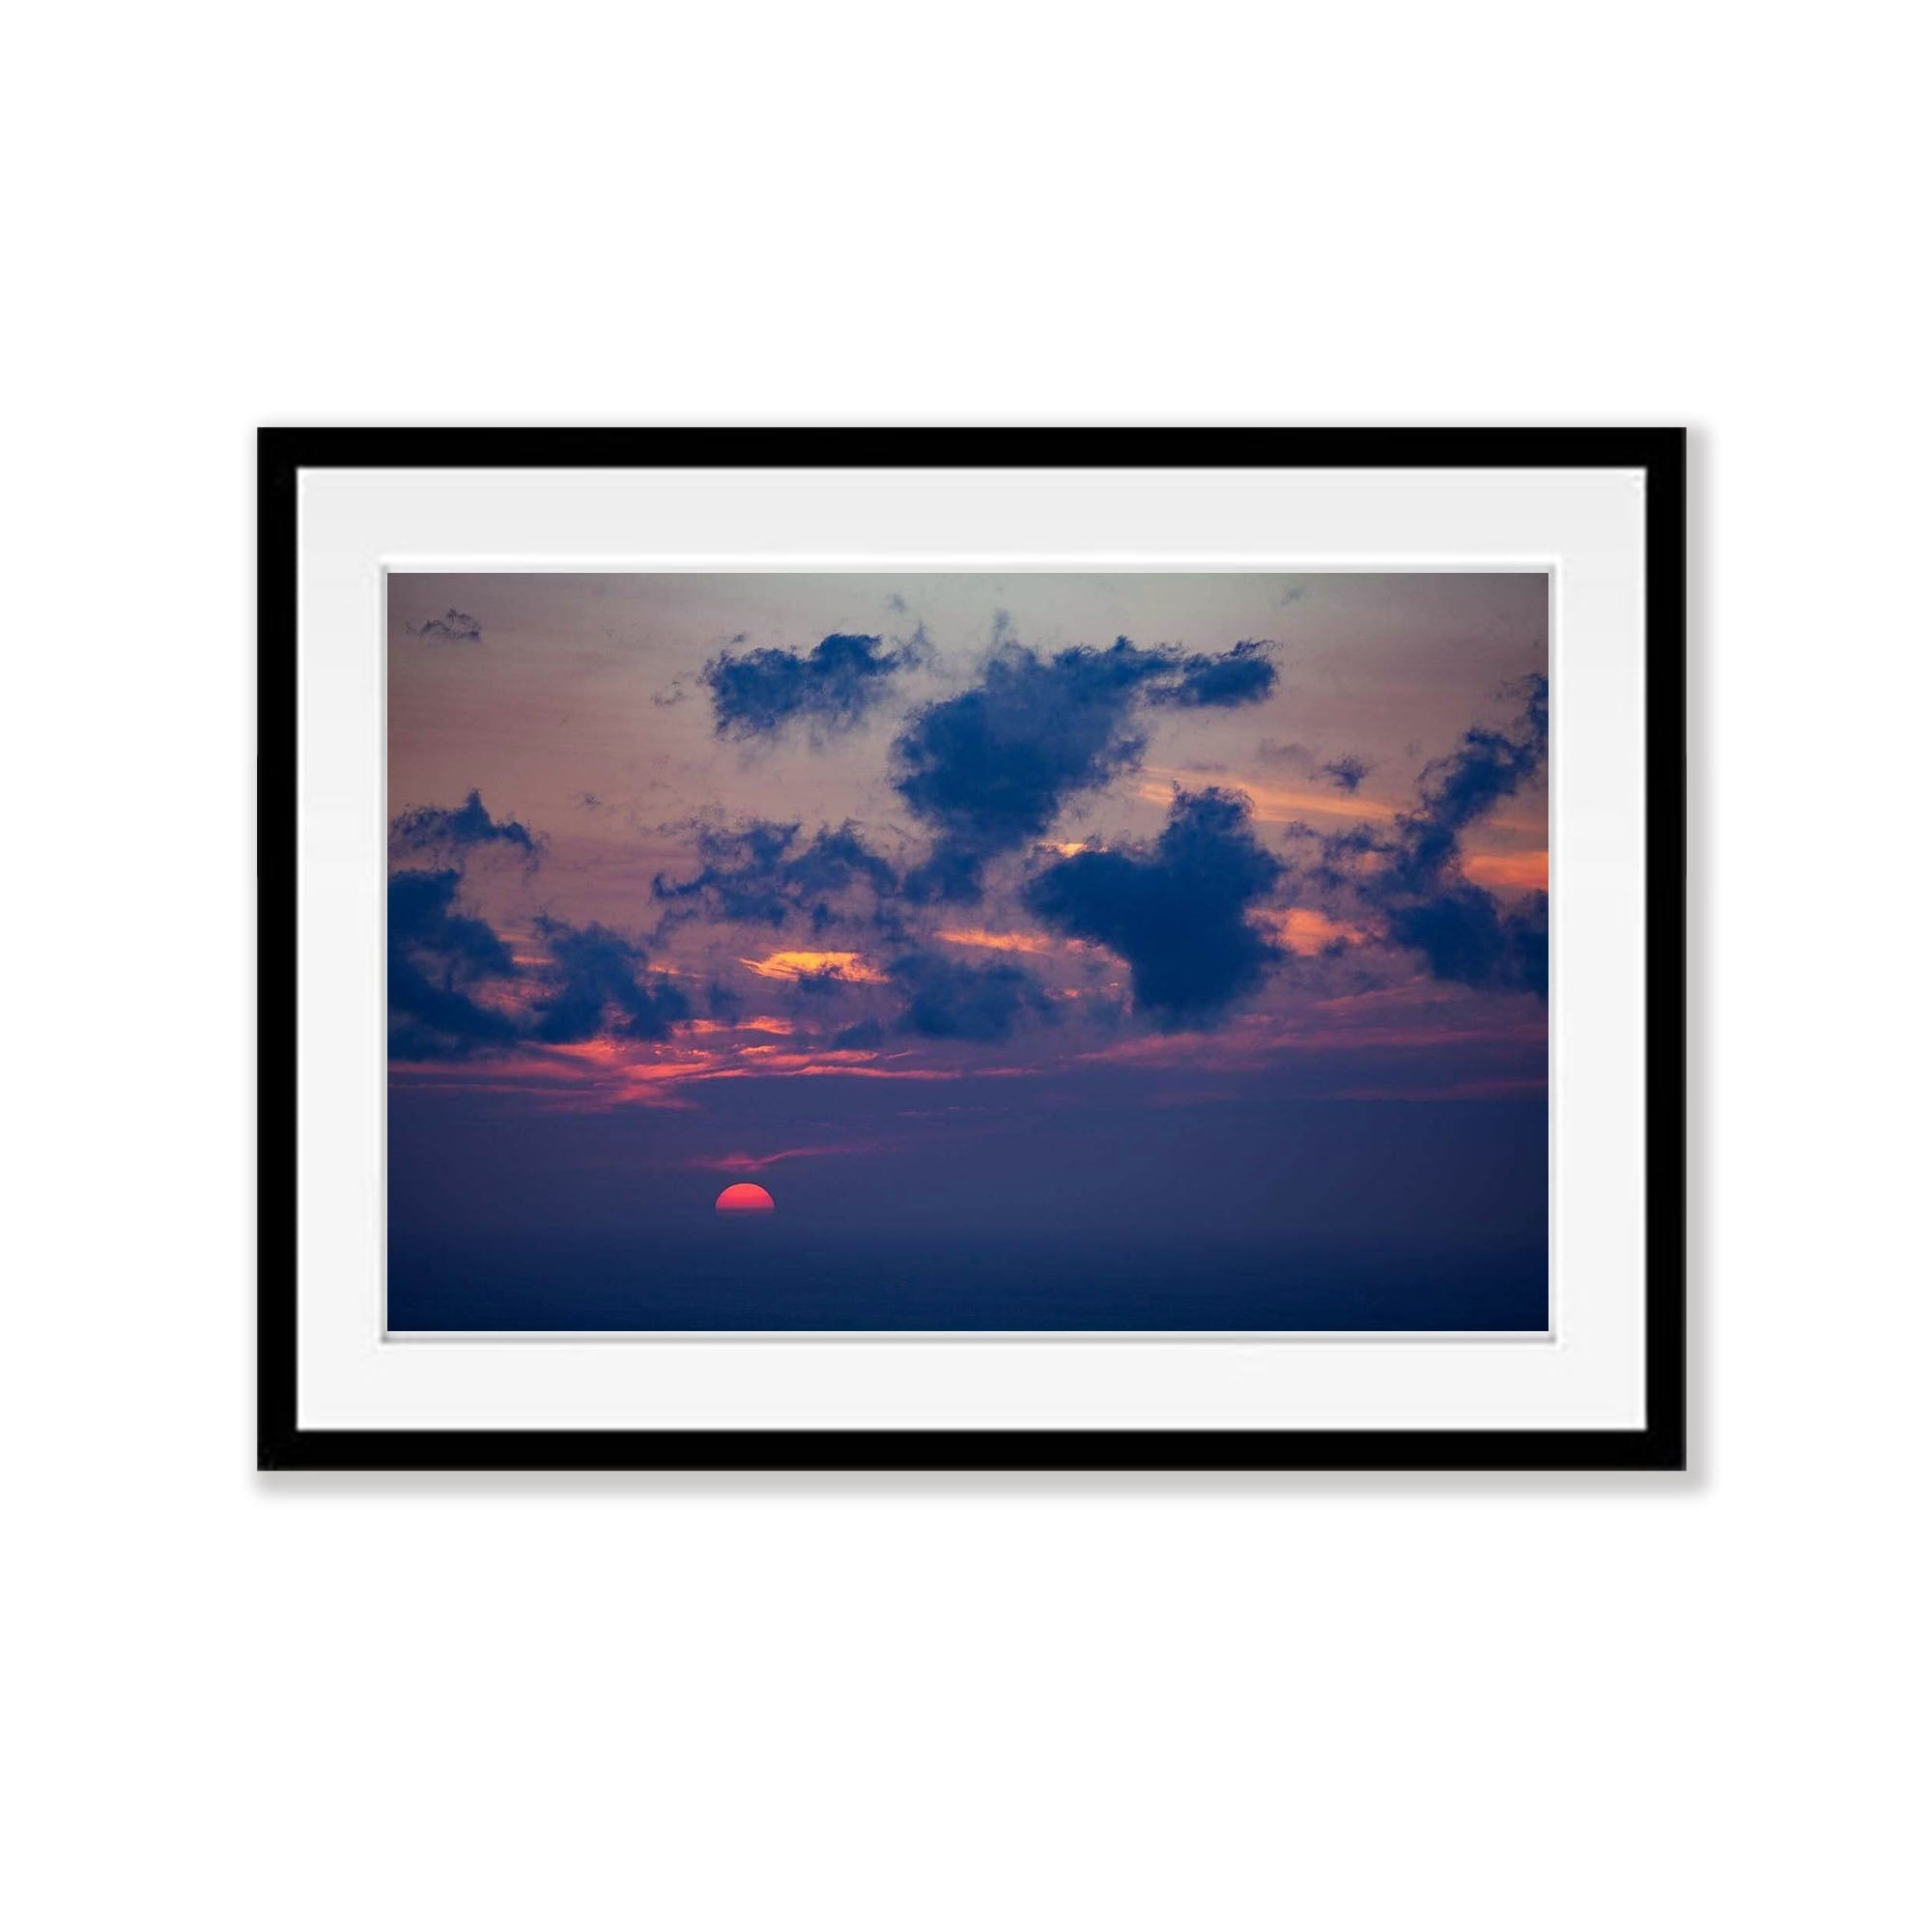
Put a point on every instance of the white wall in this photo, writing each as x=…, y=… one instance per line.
x=766, y=1704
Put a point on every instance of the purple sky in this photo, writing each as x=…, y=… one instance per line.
x=952, y=921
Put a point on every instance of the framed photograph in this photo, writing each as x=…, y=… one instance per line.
x=972, y=948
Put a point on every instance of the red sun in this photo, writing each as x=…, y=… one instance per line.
x=745, y=1197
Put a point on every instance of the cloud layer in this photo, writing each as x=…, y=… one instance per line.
x=1201, y=916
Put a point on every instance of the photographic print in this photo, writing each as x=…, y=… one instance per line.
x=972, y=953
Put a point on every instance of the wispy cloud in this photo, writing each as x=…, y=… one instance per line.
x=757, y=1163
x=999, y=942
x=453, y=627
x=1273, y=804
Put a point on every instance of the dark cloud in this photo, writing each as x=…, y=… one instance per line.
x=832, y=686
x=947, y=1000
x=596, y=985
x=1243, y=675
x=722, y=1003
x=1528, y=931
x=1466, y=937
x=1178, y=914
x=760, y=874
x=436, y=956
x=439, y=958
x=1345, y=773
x=1487, y=767
x=1412, y=879
x=990, y=769
x=453, y=627
x=429, y=828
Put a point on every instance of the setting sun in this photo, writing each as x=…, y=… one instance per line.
x=745, y=1197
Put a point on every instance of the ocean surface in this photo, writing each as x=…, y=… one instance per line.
x=758, y=1274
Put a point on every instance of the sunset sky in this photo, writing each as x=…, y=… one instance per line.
x=1057, y=951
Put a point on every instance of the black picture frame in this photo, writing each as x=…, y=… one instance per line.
x=1659, y=1444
